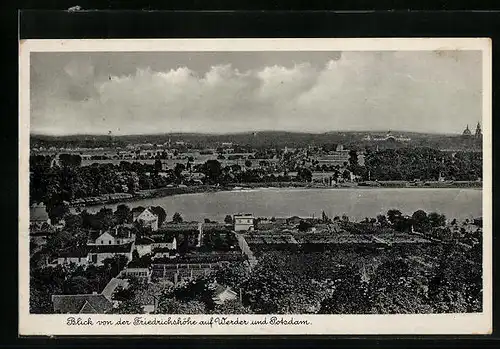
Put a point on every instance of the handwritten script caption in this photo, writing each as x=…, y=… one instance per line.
x=209, y=321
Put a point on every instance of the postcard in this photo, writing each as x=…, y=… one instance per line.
x=255, y=186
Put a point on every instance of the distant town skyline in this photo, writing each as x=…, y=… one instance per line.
x=132, y=93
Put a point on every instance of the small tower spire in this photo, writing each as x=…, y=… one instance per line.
x=467, y=131
x=479, y=133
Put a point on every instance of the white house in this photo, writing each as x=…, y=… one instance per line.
x=169, y=242
x=166, y=248
x=78, y=256
x=147, y=219
x=243, y=222
x=113, y=237
x=143, y=246
x=39, y=215
x=98, y=253
x=141, y=273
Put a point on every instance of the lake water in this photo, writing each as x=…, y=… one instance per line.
x=356, y=203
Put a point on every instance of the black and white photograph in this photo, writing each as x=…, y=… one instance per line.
x=256, y=185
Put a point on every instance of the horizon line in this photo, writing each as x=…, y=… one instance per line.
x=234, y=133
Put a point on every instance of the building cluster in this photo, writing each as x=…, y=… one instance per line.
x=388, y=137
x=477, y=134
x=154, y=256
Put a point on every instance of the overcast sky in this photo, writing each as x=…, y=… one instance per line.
x=221, y=92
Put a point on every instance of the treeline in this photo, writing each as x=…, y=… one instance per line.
x=319, y=283
x=422, y=163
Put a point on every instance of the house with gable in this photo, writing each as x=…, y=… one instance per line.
x=164, y=246
x=81, y=304
x=93, y=303
x=118, y=236
x=146, y=218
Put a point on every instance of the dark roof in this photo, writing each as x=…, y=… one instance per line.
x=159, y=238
x=124, y=248
x=144, y=241
x=188, y=226
x=81, y=303
x=138, y=209
x=161, y=249
x=121, y=231
x=75, y=252
x=214, y=225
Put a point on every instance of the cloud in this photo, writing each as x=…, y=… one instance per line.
x=420, y=91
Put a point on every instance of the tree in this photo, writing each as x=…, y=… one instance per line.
x=158, y=165
x=353, y=157
x=393, y=215
x=115, y=264
x=57, y=212
x=282, y=281
x=248, y=163
x=455, y=289
x=265, y=288
x=129, y=306
x=304, y=174
x=396, y=288
x=232, y=275
x=122, y=294
x=437, y=220
x=178, y=169
x=77, y=285
x=304, y=226
x=174, y=306
x=212, y=169
x=123, y=214
x=420, y=221
x=160, y=212
x=233, y=307
x=69, y=160
x=73, y=221
x=325, y=218
x=105, y=218
x=44, y=282
x=346, y=175
x=228, y=219
x=177, y=218
x=200, y=290
x=349, y=294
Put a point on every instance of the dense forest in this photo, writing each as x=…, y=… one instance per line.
x=423, y=164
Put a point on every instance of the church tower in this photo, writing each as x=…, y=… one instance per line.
x=479, y=133
x=467, y=131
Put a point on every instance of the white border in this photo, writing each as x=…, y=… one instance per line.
x=31, y=324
